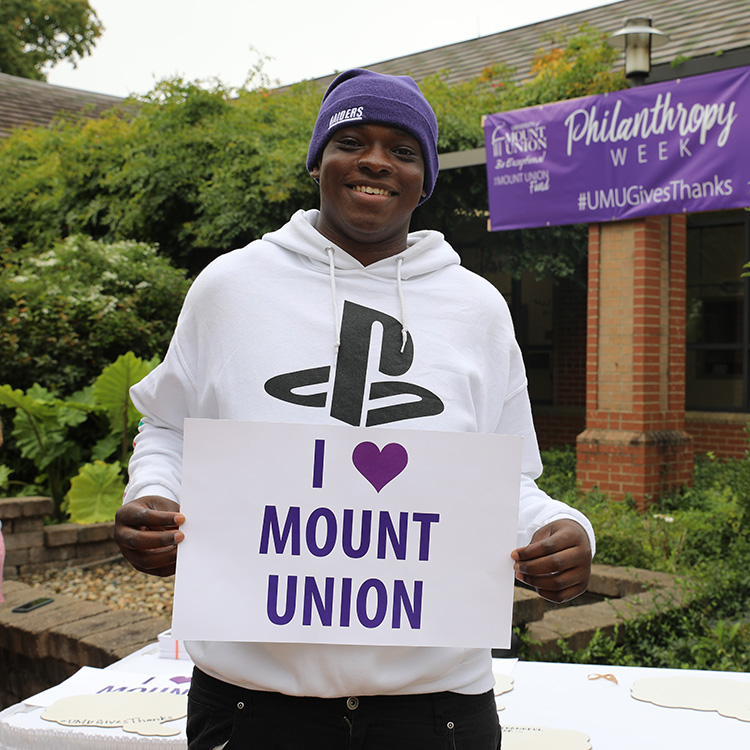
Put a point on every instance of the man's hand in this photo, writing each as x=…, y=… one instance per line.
x=557, y=563
x=147, y=533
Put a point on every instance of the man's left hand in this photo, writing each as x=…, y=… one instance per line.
x=557, y=563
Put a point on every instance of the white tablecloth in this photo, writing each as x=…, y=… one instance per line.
x=560, y=696
x=22, y=728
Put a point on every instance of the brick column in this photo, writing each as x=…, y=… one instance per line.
x=635, y=441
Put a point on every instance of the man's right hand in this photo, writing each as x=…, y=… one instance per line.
x=147, y=532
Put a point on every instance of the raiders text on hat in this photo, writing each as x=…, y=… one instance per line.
x=347, y=115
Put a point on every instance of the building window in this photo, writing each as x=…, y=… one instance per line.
x=530, y=301
x=718, y=334
x=531, y=309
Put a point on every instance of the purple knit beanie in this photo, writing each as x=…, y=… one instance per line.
x=360, y=96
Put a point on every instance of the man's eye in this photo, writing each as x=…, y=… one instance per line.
x=404, y=151
x=348, y=142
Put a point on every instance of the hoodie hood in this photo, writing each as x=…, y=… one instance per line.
x=426, y=251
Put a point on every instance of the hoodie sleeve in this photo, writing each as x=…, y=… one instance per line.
x=536, y=508
x=172, y=392
x=164, y=398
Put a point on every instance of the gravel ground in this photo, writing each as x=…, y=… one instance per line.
x=115, y=584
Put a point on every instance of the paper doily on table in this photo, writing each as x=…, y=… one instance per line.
x=137, y=713
x=503, y=684
x=730, y=698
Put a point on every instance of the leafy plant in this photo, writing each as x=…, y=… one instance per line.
x=702, y=535
x=41, y=432
x=47, y=432
x=111, y=396
x=5, y=473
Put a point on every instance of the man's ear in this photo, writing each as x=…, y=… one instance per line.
x=315, y=172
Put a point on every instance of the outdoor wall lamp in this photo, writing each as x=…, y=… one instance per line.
x=637, y=38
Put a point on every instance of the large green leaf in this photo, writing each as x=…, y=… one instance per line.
x=15, y=398
x=42, y=421
x=96, y=493
x=5, y=472
x=112, y=387
x=105, y=447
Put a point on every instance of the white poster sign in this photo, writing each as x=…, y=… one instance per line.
x=344, y=535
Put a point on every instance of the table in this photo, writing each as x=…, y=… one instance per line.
x=560, y=696
x=22, y=728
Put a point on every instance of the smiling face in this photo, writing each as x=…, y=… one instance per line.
x=371, y=180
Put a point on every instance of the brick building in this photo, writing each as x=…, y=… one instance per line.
x=651, y=363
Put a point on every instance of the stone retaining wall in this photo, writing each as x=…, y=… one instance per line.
x=32, y=547
x=627, y=594
x=42, y=648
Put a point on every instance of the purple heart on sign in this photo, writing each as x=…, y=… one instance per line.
x=380, y=467
x=179, y=680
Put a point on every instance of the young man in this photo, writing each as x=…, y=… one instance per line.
x=305, y=306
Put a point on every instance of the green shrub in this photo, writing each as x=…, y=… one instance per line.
x=194, y=170
x=200, y=170
x=712, y=633
x=67, y=312
x=700, y=534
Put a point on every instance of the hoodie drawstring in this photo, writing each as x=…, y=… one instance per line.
x=404, y=328
x=332, y=275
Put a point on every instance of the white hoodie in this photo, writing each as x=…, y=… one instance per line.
x=294, y=329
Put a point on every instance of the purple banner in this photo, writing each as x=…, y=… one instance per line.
x=666, y=148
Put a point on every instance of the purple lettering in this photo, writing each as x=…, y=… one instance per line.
x=346, y=602
x=271, y=526
x=311, y=532
x=425, y=519
x=320, y=449
x=401, y=601
x=312, y=597
x=381, y=602
x=364, y=534
x=386, y=528
x=273, y=595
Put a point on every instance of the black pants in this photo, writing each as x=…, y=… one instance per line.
x=225, y=717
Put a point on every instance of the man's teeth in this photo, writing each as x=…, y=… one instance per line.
x=370, y=190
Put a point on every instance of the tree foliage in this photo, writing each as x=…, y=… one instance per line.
x=37, y=34
x=567, y=66
x=199, y=170
x=190, y=169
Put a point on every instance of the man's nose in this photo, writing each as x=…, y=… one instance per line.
x=375, y=158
